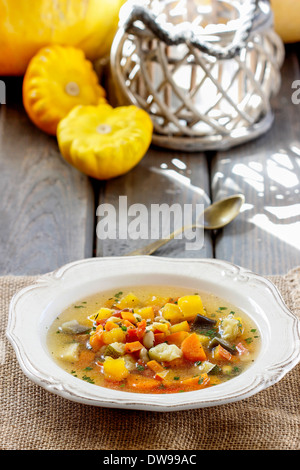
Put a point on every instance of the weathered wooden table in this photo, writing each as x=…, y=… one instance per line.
x=48, y=209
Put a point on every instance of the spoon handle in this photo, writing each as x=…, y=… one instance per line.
x=152, y=247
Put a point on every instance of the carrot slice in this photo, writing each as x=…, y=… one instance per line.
x=162, y=376
x=192, y=348
x=195, y=382
x=141, y=329
x=85, y=358
x=155, y=366
x=110, y=325
x=96, y=340
x=177, y=338
x=133, y=347
x=128, y=324
x=142, y=384
x=178, y=363
x=128, y=316
x=222, y=354
x=241, y=349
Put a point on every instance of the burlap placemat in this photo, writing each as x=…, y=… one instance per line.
x=34, y=419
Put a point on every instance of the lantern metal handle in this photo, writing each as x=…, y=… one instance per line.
x=147, y=18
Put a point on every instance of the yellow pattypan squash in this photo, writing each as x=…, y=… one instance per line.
x=57, y=79
x=29, y=25
x=104, y=142
x=287, y=19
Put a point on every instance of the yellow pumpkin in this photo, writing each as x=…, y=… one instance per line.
x=104, y=142
x=287, y=19
x=57, y=79
x=27, y=26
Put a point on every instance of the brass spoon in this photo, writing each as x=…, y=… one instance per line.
x=215, y=216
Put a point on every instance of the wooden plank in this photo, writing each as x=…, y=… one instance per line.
x=161, y=177
x=47, y=207
x=266, y=235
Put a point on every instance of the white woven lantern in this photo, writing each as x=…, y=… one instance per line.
x=204, y=70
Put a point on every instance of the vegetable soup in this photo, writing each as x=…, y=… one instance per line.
x=154, y=340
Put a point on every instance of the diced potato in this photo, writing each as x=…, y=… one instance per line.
x=191, y=305
x=172, y=313
x=130, y=363
x=70, y=352
x=182, y=326
x=206, y=367
x=165, y=352
x=129, y=301
x=230, y=328
x=115, y=369
x=146, y=313
x=116, y=335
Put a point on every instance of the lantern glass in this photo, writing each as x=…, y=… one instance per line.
x=205, y=70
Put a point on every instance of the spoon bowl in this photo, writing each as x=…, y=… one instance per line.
x=222, y=212
x=216, y=216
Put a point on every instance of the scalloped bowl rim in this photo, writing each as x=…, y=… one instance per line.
x=33, y=309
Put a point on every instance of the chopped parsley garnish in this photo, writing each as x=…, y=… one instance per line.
x=88, y=379
x=211, y=333
x=118, y=295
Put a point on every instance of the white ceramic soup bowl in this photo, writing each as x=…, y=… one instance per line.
x=34, y=308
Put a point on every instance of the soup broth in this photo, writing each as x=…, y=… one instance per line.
x=153, y=340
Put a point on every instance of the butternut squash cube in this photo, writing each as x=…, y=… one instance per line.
x=102, y=314
x=146, y=313
x=115, y=369
x=129, y=301
x=182, y=326
x=172, y=313
x=190, y=305
x=116, y=335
